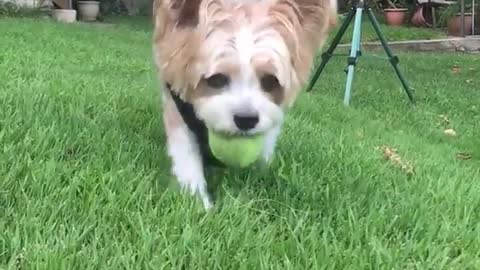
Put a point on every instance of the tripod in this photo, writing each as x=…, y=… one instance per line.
x=358, y=6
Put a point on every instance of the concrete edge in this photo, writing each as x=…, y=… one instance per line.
x=469, y=44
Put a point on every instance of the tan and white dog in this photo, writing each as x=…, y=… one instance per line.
x=234, y=66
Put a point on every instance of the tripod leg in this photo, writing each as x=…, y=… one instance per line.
x=354, y=53
x=392, y=58
x=328, y=54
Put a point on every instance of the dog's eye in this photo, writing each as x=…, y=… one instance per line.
x=218, y=80
x=269, y=83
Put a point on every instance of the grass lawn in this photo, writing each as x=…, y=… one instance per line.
x=85, y=184
x=391, y=33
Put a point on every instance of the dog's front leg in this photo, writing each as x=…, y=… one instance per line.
x=187, y=165
x=271, y=138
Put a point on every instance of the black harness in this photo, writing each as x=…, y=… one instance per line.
x=197, y=127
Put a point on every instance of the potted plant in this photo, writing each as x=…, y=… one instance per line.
x=452, y=18
x=395, y=12
x=88, y=10
x=64, y=15
x=62, y=11
x=455, y=23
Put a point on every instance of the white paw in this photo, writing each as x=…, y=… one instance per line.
x=269, y=147
x=197, y=187
x=267, y=160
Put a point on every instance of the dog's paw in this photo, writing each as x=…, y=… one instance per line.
x=197, y=187
x=266, y=160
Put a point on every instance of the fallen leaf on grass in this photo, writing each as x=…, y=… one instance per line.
x=464, y=156
x=19, y=261
x=450, y=132
x=445, y=120
x=391, y=155
x=388, y=152
x=360, y=133
x=456, y=69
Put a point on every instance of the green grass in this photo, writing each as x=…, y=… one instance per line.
x=391, y=33
x=84, y=178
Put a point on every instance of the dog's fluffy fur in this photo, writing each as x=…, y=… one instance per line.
x=233, y=58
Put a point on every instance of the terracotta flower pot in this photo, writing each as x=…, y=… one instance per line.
x=395, y=16
x=454, y=24
x=88, y=10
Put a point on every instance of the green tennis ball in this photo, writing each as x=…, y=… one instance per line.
x=236, y=151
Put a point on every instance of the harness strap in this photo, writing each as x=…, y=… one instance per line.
x=197, y=127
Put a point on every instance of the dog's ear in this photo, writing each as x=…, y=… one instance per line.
x=312, y=15
x=307, y=20
x=304, y=25
x=313, y=10
x=186, y=12
x=176, y=42
x=168, y=14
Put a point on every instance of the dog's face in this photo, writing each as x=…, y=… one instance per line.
x=240, y=63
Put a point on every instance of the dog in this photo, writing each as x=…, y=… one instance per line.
x=233, y=66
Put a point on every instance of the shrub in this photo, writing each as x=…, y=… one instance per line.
x=11, y=9
x=126, y=7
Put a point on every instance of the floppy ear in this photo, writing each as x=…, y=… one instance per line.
x=169, y=14
x=314, y=17
x=315, y=11
x=308, y=20
x=176, y=40
x=304, y=25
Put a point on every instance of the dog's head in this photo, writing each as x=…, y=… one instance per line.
x=241, y=63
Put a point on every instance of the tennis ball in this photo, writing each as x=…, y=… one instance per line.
x=236, y=151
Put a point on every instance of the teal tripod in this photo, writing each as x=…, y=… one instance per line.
x=358, y=6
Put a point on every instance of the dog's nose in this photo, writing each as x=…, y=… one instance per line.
x=245, y=122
